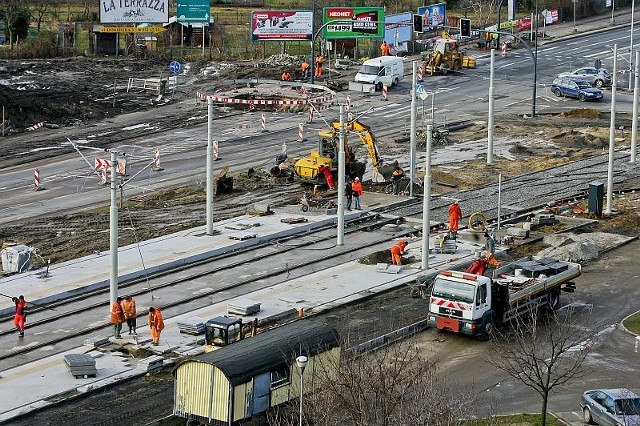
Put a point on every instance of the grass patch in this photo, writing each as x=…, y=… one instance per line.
x=633, y=323
x=517, y=420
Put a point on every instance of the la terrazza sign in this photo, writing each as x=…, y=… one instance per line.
x=134, y=11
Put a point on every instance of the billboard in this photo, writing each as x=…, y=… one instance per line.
x=398, y=25
x=194, y=11
x=282, y=25
x=353, y=22
x=434, y=17
x=134, y=11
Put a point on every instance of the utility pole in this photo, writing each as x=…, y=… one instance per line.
x=612, y=133
x=426, y=202
x=491, y=105
x=633, y=7
x=341, y=179
x=412, y=137
x=210, y=183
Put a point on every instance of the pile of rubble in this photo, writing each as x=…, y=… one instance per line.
x=282, y=60
x=580, y=247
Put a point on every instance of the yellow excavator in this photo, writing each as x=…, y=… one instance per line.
x=446, y=56
x=308, y=168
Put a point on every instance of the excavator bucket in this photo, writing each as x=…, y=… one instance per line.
x=223, y=184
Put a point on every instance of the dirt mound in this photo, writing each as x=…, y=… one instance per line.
x=581, y=113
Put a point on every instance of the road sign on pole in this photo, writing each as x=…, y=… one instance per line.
x=194, y=11
x=175, y=67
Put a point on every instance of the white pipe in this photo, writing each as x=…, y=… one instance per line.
x=612, y=132
x=341, y=180
x=491, y=105
x=634, y=120
x=210, y=183
x=414, y=113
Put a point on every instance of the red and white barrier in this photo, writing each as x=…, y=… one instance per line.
x=284, y=148
x=101, y=164
x=503, y=50
x=348, y=103
x=103, y=177
x=35, y=126
x=300, y=132
x=349, y=116
x=310, y=120
x=263, y=122
x=420, y=73
x=214, y=151
x=384, y=92
x=156, y=166
x=36, y=180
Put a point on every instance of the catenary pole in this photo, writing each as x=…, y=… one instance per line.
x=491, y=106
x=412, y=138
x=210, y=190
x=426, y=202
x=341, y=180
x=612, y=133
x=113, y=232
x=634, y=119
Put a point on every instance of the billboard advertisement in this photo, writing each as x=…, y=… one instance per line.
x=434, y=17
x=134, y=11
x=398, y=28
x=194, y=11
x=282, y=25
x=353, y=22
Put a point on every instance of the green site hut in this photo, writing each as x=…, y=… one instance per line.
x=246, y=378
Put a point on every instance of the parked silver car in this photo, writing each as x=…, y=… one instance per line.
x=610, y=407
x=597, y=77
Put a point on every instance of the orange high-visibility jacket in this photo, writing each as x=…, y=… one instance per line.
x=155, y=319
x=117, y=314
x=129, y=307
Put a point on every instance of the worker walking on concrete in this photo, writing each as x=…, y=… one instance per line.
x=384, y=49
x=20, y=316
x=304, y=67
x=130, y=313
x=156, y=324
x=490, y=244
x=396, y=252
x=455, y=213
x=117, y=317
x=356, y=188
x=348, y=192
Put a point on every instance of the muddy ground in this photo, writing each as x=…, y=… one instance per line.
x=81, y=90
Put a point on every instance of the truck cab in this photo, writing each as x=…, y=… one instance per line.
x=461, y=303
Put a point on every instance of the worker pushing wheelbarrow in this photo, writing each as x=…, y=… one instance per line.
x=309, y=201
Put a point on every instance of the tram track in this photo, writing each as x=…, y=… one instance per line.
x=63, y=326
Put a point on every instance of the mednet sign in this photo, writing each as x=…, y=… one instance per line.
x=134, y=11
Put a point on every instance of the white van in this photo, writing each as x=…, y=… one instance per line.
x=385, y=70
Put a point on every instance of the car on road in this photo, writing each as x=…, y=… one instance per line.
x=598, y=77
x=614, y=407
x=575, y=89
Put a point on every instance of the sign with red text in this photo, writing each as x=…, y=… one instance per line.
x=134, y=11
x=353, y=22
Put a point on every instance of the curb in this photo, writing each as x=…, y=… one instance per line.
x=625, y=329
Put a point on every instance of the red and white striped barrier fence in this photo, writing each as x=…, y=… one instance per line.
x=103, y=176
x=384, y=92
x=156, y=165
x=348, y=103
x=310, y=120
x=284, y=148
x=300, y=132
x=35, y=126
x=263, y=122
x=349, y=116
x=101, y=164
x=420, y=73
x=503, y=50
x=214, y=151
x=36, y=180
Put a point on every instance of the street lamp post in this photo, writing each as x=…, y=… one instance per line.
x=574, y=16
x=302, y=364
x=633, y=10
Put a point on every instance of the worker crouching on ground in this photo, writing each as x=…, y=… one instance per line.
x=396, y=252
x=286, y=76
x=455, y=213
x=156, y=324
x=396, y=179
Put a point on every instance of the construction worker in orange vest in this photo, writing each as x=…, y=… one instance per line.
x=455, y=213
x=130, y=313
x=117, y=317
x=384, y=49
x=285, y=76
x=156, y=324
x=304, y=67
x=396, y=252
x=319, y=61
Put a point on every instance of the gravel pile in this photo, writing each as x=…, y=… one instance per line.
x=282, y=60
x=580, y=247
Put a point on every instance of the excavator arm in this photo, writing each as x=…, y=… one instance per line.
x=365, y=135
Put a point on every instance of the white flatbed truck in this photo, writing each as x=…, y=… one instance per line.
x=472, y=304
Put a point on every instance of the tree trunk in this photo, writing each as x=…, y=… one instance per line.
x=545, y=400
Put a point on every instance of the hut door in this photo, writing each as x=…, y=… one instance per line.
x=261, y=389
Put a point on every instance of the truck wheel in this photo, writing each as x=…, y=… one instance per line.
x=488, y=329
x=378, y=87
x=456, y=65
x=395, y=82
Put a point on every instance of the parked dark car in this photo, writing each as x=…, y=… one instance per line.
x=575, y=89
x=596, y=76
x=614, y=407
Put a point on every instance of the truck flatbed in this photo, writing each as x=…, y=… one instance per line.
x=531, y=275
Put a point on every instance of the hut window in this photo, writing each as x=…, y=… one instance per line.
x=280, y=376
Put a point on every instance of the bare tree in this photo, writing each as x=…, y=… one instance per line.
x=38, y=9
x=543, y=351
x=484, y=11
x=395, y=385
x=12, y=9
